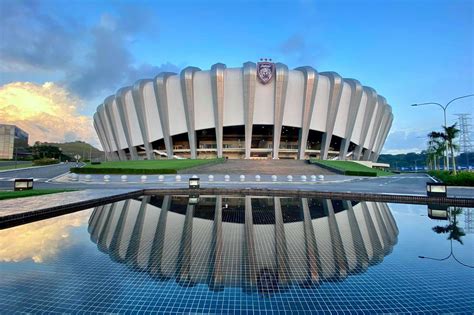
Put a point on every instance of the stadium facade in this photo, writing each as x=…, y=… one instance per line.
x=260, y=110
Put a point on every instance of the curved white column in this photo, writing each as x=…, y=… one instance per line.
x=381, y=108
x=125, y=120
x=108, y=103
x=335, y=92
x=311, y=78
x=102, y=124
x=187, y=87
x=354, y=106
x=139, y=101
x=380, y=132
x=161, y=95
x=383, y=135
x=101, y=138
x=217, y=86
x=369, y=112
x=249, y=74
x=281, y=84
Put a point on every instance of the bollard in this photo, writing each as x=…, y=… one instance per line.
x=313, y=178
x=123, y=178
x=242, y=178
x=143, y=178
x=303, y=178
x=211, y=178
x=178, y=178
x=74, y=177
x=290, y=178
x=227, y=178
x=257, y=178
x=161, y=178
x=274, y=178
x=88, y=178
x=106, y=178
x=320, y=177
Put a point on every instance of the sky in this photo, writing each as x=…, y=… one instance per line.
x=60, y=59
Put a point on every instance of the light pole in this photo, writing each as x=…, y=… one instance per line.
x=444, y=108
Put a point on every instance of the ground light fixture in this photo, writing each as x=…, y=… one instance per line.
x=23, y=184
x=436, y=190
x=194, y=183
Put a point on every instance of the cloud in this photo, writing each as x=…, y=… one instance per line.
x=32, y=40
x=47, y=112
x=405, y=141
x=110, y=63
x=90, y=60
x=40, y=241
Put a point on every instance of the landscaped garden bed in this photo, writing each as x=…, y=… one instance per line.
x=142, y=167
x=462, y=178
x=350, y=168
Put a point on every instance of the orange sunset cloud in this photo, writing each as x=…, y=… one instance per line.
x=48, y=112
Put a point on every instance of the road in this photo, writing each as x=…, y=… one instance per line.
x=39, y=174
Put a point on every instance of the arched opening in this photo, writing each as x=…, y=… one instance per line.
x=181, y=145
x=289, y=141
x=206, y=143
x=262, y=141
x=233, y=142
x=313, y=146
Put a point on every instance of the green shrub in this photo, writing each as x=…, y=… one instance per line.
x=129, y=171
x=45, y=161
x=463, y=178
x=360, y=173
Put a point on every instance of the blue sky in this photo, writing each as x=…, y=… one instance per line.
x=409, y=51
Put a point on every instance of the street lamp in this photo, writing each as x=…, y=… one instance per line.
x=444, y=108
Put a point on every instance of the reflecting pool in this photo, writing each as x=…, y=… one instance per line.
x=241, y=254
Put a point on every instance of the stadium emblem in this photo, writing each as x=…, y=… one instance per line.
x=265, y=71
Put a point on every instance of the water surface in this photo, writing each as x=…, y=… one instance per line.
x=246, y=254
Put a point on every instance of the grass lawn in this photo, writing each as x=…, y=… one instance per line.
x=12, y=167
x=352, y=168
x=28, y=193
x=143, y=167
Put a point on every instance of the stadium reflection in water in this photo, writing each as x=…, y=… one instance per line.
x=261, y=244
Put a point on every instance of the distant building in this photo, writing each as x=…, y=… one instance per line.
x=12, y=140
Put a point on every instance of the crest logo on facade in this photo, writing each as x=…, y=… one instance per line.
x=265, y=71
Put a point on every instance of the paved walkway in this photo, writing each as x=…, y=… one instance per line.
x=37, y=205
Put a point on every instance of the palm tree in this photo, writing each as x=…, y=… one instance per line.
x=451, y=133
x=455, y=232
x=436, y=147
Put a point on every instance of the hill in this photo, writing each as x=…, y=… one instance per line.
x=85, y=150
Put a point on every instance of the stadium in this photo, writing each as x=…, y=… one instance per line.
x=261, y=110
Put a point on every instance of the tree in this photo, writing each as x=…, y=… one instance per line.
x=451, y=133
x=436, y=147
x=455, y=232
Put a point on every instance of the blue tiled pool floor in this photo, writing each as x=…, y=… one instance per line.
x=227, y=254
